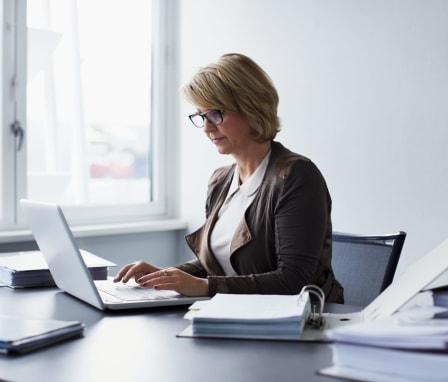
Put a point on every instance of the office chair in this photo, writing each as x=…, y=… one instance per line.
x=365, y=264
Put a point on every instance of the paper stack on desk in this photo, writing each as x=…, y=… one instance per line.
x=251, y=316
x=29, y=269
x=409, y=346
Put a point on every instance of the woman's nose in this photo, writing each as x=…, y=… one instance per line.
x=208, y=126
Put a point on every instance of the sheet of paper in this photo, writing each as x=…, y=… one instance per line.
x=250, y=307
x=411, y=329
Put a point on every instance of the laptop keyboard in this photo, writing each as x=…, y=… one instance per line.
x=132, y=291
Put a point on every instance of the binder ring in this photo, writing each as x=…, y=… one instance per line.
x=315, y=318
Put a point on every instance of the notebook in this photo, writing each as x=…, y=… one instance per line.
x=70, y=273
x=407, y=285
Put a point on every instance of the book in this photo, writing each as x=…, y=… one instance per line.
x=249, y=316
x=411, y=345
x=22, y=335
x=29, y=269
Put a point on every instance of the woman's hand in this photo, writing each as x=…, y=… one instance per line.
x=148, y=275
x=175, y=279
x=135, y=270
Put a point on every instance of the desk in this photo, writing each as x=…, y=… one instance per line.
x=142, y=346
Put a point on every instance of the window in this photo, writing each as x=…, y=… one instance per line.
x=83, y=107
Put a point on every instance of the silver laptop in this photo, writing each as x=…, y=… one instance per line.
x=70, y=273
x=415, y=279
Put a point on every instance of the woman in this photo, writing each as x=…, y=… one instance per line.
x=268, y=216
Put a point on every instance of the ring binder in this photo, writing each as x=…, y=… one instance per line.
x=250, y=316
x=315, y=318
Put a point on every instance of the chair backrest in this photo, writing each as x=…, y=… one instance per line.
x=365, y=264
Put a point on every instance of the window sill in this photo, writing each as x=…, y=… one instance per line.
x=15, y=236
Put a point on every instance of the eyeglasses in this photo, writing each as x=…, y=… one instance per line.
x=213, y=116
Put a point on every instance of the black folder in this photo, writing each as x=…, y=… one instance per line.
x=21, y=335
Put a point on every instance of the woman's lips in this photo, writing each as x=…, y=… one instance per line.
x=217, y=140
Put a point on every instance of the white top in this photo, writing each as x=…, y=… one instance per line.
x=232, y=212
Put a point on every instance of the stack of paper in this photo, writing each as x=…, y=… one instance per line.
x=29, y=269
x=371, y=364
x=252, y=316
x=409, y=346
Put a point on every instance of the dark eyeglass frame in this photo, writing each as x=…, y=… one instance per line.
x=214, y=116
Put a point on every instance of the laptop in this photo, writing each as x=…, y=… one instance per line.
x=415, y=279
x=70, y=273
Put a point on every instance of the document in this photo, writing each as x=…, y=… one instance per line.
x=29, y=269
x=250, y=316
x=373, y=364
x=411, y=345
x=415, y=328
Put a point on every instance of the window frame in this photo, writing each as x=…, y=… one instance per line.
x=164, y=119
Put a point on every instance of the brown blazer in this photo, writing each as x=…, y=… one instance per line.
x=284, y=241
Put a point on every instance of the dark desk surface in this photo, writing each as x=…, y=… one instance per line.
x=142, y=346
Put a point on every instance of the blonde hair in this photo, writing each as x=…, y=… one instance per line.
x=236, y=83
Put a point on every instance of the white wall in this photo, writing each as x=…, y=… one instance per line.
x=363, y=92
